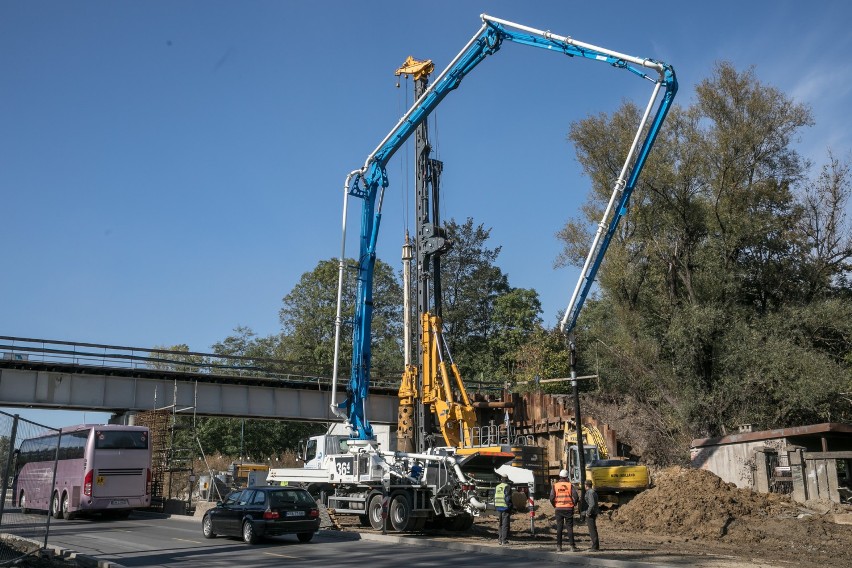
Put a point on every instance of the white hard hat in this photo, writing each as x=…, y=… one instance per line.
x=563, y=473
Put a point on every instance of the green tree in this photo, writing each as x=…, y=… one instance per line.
x=253, y=439
x=471, y=283
x=718, y=298
x=309, y=311
x=515, y=322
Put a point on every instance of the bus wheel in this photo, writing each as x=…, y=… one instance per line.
x=65, y=512
x=22, y=503
x=55, y=506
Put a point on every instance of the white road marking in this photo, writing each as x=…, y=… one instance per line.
x=284, y=555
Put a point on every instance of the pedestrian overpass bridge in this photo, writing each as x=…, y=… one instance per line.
x=39, y=373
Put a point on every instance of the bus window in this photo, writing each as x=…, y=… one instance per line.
x=121, y=440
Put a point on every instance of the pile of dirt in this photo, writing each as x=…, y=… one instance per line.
x=698, y=505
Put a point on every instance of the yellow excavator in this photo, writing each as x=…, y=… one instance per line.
x=616, y=479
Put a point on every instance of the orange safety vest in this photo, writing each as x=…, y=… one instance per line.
x=563, y=495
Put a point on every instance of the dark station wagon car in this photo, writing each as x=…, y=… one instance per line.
x=258, y=512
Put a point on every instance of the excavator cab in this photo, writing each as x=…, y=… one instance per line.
x=590, y=454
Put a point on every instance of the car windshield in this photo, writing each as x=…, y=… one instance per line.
x=233, y=497
x=289, y=497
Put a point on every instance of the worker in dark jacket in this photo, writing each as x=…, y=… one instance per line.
x=503, y=504
x=592, y=511
x=563, y=497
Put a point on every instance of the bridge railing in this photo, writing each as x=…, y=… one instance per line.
x=23, y=350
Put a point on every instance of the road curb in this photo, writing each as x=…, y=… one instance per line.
x=82, y=559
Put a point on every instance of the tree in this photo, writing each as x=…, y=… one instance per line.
x=252, y=439
x=825, y=229
x=309, y=311
x=471, y=283
x=706, y=305
x=516, y=319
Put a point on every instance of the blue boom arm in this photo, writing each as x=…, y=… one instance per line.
x=370, y=181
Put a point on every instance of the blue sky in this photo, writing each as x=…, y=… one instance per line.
x=168, y=170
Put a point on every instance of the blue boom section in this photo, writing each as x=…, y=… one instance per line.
x=369, y=184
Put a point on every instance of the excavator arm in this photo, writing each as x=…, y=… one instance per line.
x=369, y=182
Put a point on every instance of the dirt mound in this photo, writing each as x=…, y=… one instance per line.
x=697, y=503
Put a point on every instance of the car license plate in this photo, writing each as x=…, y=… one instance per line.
x=118, y=503
x=295, y=514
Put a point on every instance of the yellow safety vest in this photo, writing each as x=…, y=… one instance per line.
x=500, y=496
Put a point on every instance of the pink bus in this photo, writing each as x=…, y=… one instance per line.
x=99, y=469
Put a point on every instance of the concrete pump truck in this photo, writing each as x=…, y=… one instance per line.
x=429, y=483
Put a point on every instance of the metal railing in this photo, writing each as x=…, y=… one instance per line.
x=25, y=350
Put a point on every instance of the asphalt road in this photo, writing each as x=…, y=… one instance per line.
x=152, y=542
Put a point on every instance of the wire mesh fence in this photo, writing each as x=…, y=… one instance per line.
x=22, y=515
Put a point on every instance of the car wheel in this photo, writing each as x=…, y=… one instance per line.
x=305, y=537
x=207, y=527
x=65, y=504
x=55, y=506
x=22, y=503
x=248, y=532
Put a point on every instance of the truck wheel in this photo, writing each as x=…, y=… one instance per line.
x=374, y=511
x=400, y=513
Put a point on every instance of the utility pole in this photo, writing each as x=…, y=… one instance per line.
x=581, y=446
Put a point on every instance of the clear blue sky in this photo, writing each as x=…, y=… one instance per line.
x=168, y=170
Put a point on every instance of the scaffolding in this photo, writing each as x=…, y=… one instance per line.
x=172, y=472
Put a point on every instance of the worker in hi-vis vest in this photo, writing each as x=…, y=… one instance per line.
x=563, y=497
x=503, y=504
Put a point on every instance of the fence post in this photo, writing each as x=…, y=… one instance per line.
x=10, y=455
